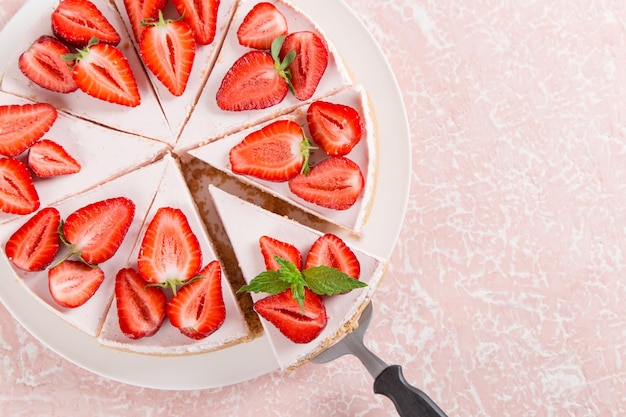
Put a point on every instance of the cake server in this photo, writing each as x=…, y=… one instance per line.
x=388, y=379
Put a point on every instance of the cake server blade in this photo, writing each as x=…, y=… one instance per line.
x=388, y=379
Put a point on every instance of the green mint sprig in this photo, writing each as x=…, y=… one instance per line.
x=322, y=280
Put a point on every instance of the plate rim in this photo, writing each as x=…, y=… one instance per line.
x=390, y=202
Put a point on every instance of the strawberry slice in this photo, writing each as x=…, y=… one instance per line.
x=310, y=63
x=77, y=21
x=102, y=71
x=170, y=253
x=49, y=159
x=42, y=63
x=276, y=152
x=17, y=190
x=168, y=49
x=35, y=244
x=286, y=314
x=140, y=308
x=331, y=250
x=138, y=10
x=96, y=231
x=271, y=247
x=73, y=283
x=334, y=183
x=263, y=23
x=201, y=16
x=198, y=309
x=257, y=80
x=336, y=128
x=21, y=125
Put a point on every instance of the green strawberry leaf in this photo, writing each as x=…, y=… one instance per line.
x=324, y=280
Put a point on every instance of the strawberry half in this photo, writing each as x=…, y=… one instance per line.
x=168, y=49
x=138, y=10
x=102, y=71
x=170, y=253
x=331, y=251
x=276, y=152
x=21, y=125
x=286, y=314
x=35, y=244
x=73, y=283
x=17, y=190
x=334, y=183
x=201, y=16
x=77, y=21
x=140, y=308
x=263, y=23
x=271, y=247
x=42, y=63
x=198, y=309
x=310, y=63
x=257, y=80
x=49, y=159
x=96, y=231
x=336, y=128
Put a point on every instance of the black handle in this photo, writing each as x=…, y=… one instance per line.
x=409, y=401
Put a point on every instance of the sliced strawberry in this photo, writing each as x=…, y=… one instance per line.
x=331, y=251
x=77, y=21
x=73, y=283
x=49, y=159
x=96, y=231
x=271, y=247
x=198, y=309
x=276, y=152
x=286, y=314
x=138, y=10
x=201, y=16
x=103, y=72
x=336, y=128
x=42, y=63
x=17, y=190
x=35, y=244
x=310, y=63
x=21, y=125
x=334, y=183
x=170, y=253
x=252, y=83
x=263, y=23
x=168, y=49
x=140, y=308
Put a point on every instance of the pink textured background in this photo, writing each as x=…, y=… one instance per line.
x=507, y=290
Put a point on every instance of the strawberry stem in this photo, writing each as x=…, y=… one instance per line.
x=281, y=66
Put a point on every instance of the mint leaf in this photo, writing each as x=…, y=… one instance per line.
x=324, y=280
x=297, y=292
x=267, y=281
x=288, y=271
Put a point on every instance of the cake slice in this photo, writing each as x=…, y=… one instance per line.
x=102, y=153
x=168, y=340
x=146, y=119
x=364, y=154
x=178, y=108
x=245, y=224
x=209, y=122
x=89, y=316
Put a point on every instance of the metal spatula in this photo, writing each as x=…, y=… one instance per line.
x=388, y=379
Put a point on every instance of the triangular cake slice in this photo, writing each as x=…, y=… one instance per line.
x=245, y=223
x=146, y=119
x=364, y=154
x=102, y=153
x=90, y=316
x=177, y=109
x=208, y=122
x=173, y=192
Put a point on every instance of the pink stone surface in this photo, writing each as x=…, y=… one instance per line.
x=506, y=294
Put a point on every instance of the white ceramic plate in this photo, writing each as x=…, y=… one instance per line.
x=249, y=360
